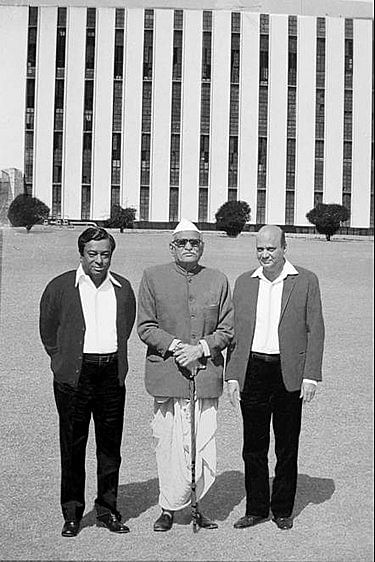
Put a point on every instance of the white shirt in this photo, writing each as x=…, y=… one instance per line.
x=266, y=337
x=99, y=311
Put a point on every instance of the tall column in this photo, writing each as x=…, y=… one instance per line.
x=103, y=101
x=305, y=145
x=44, y=105
x=74, y=84
x=162, y=82
x=277, y=123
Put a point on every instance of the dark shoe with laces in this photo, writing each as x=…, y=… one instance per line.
x=70, y=528
x=205, y=523
x=248, y=521
x=283, y=523
x=113, y=522
x=164, y=522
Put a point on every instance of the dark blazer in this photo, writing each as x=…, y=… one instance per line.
x=301, y=328
x=62, y=326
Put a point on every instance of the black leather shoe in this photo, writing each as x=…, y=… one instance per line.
x=164, y=522
x=70, y=528
x=283, y=523
x=113, y=523
x=205, y=523
x=248, y=521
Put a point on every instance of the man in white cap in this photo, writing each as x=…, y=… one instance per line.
x=185, y=317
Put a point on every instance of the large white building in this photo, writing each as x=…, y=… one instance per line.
x=174, y=107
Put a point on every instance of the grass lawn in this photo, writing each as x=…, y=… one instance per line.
x=334, y=503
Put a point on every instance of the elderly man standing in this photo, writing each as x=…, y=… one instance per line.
x=275, y=364
x=185, y=318
x=86, y=316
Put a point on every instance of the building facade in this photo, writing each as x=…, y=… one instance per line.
x=174, y=111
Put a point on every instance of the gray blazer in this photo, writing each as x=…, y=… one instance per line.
x=301, y=328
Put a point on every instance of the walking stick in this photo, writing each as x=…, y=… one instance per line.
x=193, y=450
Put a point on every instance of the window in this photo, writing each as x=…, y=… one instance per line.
x=175, y=160
x=203, y=205
x=145, y=159
x=263, y=60
x=117, y=106
x=262, y=162
x=261, y=206
x=263, y=111
x=178, y=19
x=177, y=55
x=86, y=158
x=207, y=21
x=120, y=18
x=205, y=108
x=289, y=207
x=233, y=161
x=206, y=56
x=292, y=61
x=234, y=110
x=147, y=55
x=235, y=59
x=119, y=54
x=176, y=107
x=144, y=200
x=146, y=106
x=173, y=204
x=291, y=123
x=204, y=160
x=149, y=19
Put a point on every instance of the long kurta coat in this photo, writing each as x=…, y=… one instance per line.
x=187, y=306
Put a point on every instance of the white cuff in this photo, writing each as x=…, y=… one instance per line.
x=206, y=349
x=311, y=380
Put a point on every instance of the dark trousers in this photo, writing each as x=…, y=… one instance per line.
x=264, y=397
x=100, y=395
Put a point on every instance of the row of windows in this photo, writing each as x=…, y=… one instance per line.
x=118, y=75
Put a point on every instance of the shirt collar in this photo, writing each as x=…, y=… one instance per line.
x=81, y=275
x=288, y=269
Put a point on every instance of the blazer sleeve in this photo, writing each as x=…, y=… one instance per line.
x=223, y=334
x=315, y=332
x=49, y=319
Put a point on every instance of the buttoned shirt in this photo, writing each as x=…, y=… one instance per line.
x=266, y=336
x=99, y=311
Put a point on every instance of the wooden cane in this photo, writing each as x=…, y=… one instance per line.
x=193, y=451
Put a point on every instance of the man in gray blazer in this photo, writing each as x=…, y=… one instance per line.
x=274, y=365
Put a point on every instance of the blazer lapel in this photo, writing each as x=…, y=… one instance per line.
x=288, y=287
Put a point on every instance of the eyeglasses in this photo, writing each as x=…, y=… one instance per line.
x=181, y=242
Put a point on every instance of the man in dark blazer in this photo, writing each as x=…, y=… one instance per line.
x=273, y=367
x=86, y=316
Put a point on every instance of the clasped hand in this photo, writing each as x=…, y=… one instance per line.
x=186, y=354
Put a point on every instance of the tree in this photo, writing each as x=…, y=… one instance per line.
x=121, y=218
x=327, y=218
x=26, y=210
x=232, y=217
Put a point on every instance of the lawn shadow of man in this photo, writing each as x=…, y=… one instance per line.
x=227, y=492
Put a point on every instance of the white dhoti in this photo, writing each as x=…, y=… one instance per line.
x=171, y=430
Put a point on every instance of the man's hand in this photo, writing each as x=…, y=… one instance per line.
x=186, y=354
x=308, y=390
x=233, y=392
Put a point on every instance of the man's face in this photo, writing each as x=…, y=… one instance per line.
x=96, y=260
x=270, y=253
x=187, y=248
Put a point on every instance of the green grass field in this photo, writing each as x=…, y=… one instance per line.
x=334, y=503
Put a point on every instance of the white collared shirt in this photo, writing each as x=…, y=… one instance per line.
x=266, y=337
x=99, y=311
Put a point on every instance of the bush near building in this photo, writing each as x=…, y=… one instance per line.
x=27, y=211
x=232, y=217
x=121, y=218
x=327, y=218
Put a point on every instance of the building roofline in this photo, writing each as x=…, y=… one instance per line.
x=362, y=9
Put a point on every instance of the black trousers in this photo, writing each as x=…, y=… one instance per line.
x=264, y=397
x=100, y=395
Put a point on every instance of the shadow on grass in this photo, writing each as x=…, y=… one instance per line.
x=137, y=497
x=227, y=492
x=312, y=490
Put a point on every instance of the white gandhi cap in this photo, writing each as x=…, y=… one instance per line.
x=185, y=226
